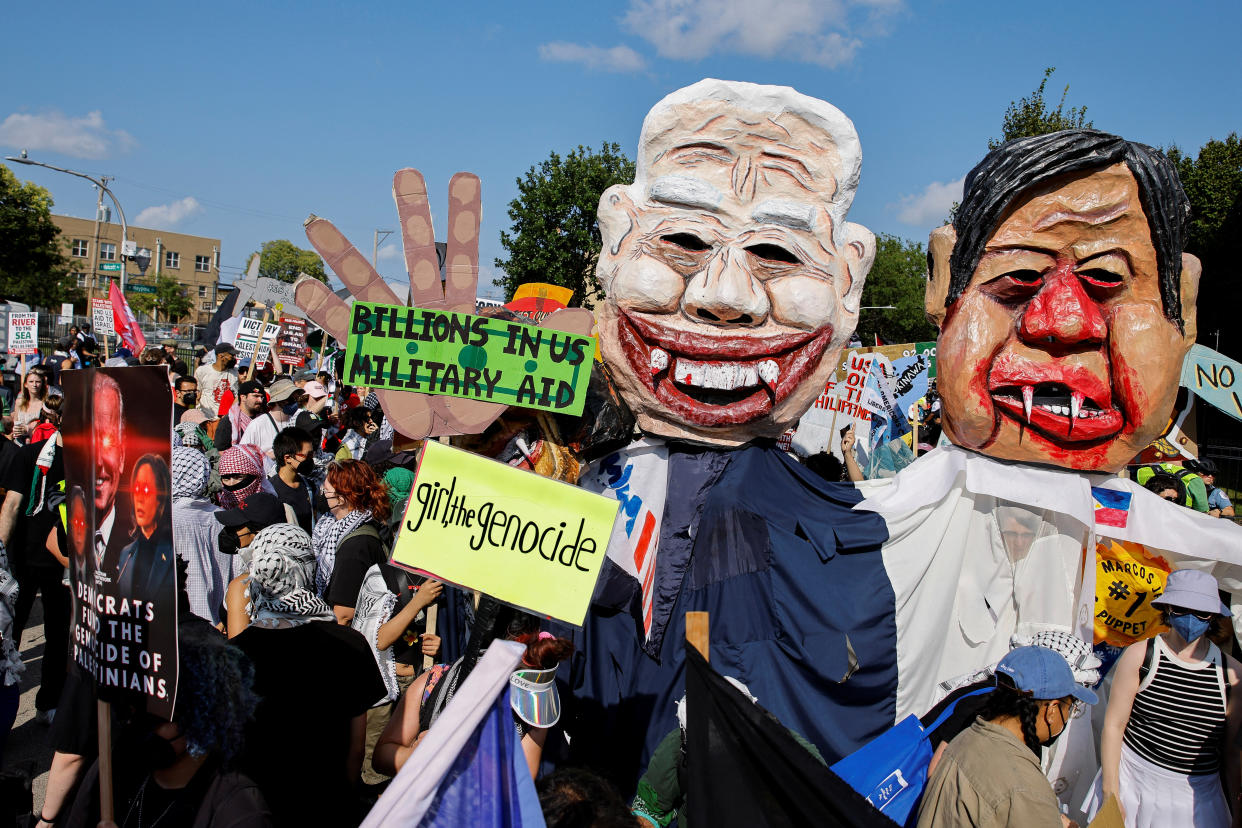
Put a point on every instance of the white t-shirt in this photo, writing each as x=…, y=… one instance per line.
x=262, y=432
x=212, y=386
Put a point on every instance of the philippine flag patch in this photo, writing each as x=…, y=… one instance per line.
x=1112, y=508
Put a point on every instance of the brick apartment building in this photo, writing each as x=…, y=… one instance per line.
x=194, y=261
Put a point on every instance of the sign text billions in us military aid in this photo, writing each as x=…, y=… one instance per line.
x=527, y=540
x=460, y=355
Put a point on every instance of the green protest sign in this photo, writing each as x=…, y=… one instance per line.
x=461, y=355
x=527, y=540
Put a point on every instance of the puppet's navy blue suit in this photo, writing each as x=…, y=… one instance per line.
x=801, y=612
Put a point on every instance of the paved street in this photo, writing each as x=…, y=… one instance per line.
x=27, y=747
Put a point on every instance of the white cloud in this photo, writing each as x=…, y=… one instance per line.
x=930, y=206
x=614, y=59
x=810, y=31
x=389, y=251
x=166, y=215
x=87, y=137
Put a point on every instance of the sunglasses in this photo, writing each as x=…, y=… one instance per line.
x=1202, y=616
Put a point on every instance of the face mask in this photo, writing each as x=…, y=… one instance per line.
x=229, y=544
x=289, y=408
x=1189, y=627
x=243, y=483
x=306, y=466
x=156, y=752
x=189, y=398
x=1051, y=740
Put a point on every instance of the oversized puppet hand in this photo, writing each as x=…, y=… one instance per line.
x=412, y=414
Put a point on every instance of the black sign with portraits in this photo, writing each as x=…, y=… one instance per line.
x=116, y=430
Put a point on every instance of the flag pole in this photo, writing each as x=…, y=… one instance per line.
x=697, y=633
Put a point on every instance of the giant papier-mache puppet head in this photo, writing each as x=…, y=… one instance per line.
x=1064, y=300
x=733, y=279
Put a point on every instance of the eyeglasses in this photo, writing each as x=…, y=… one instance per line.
x=1170, y=498
x=1202, y=616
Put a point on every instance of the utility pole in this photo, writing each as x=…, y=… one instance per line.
x=375, y=246
x=94, y=257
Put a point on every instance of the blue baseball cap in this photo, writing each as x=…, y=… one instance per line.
x=1043, y=673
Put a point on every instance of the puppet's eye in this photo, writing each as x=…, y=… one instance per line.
x=1025, y=277
x=772, y=253
x=1102, y=277
x=686, y=241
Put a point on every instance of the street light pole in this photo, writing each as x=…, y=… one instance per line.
x=102, y=185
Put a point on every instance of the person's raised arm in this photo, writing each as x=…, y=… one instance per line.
x=392, y=629
x=1120, y=702
x=847, y=451
x=402, y=732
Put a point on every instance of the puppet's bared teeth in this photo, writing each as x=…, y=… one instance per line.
x=722, y=376
x=659, y=360
x=769, y=371
x=1028, y=399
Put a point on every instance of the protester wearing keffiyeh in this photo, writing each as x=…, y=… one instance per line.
x=196, y=534
x=246, y=462
x=282, y=577
x=327, y=537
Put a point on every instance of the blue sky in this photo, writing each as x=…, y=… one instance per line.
x=236, y=120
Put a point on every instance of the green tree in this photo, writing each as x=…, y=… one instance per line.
x=282, y=259
x=1213, y=183
x=554, y=237
x=170, y=298
x=897, y=278
x=1031, y=115
x=33, y=269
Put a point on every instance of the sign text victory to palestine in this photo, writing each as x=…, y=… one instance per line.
x=461, y=355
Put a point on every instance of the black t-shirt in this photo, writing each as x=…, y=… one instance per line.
x=30, y=531
x=313, y=680
x=354, y=557
x=298, y=498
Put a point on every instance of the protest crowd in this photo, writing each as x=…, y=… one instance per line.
x=248, y=612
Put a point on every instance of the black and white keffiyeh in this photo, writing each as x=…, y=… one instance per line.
x=376, y=603
x=282, y=573
x=190, y=472
x=11, y=666
x=327, y=536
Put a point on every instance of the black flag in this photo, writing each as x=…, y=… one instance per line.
x=211, y=334
x=744, y=767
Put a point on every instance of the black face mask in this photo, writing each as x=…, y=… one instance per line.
x=189, y=398
x=229, y=544
x=246, y=480
x=306, y=466
x=1051, y=740
x=156, y=752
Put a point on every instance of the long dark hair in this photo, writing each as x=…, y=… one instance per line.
x=163, y=485
x=1007, y=700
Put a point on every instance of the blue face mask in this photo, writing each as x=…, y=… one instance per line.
x=1189, y=627
x=290, y=407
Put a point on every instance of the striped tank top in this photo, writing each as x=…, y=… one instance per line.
x=1178, y=718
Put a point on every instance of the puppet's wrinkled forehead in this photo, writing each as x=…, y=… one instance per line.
x=705, y=123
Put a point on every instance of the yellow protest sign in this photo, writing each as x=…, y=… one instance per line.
x=524, y=539
x=1127, y=579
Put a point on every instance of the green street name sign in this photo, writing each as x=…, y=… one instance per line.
x=132, y=288
x=110, y=266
